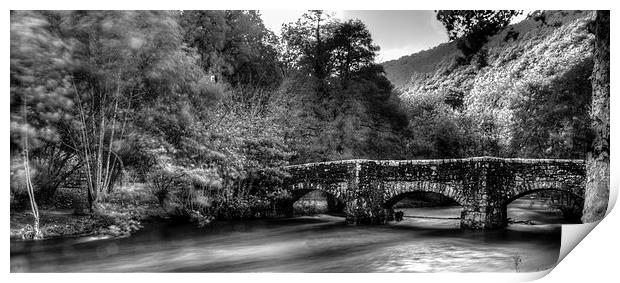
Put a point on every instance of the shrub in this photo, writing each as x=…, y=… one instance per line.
x=310, y=207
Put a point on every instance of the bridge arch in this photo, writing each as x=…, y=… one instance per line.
x=521, y=186
x=334, y=191
x=570, y=212
x=398, y=190
x=337, y=190
x=389, y=203
x=572, y=194
x=308, y=202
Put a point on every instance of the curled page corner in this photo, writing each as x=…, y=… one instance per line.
x=613, y=190
x=572, y=235
x=531, y=276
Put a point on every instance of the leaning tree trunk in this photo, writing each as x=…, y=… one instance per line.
x=597, y=160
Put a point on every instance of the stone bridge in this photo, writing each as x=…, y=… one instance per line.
x=483, y=186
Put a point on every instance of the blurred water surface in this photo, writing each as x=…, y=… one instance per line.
x=320, y=243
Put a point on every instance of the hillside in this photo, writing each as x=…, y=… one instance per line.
x=400, y=71
x=534, y=62
x=412, y=71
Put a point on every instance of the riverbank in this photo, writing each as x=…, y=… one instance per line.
x=120, y=214
x=115, y=216
x=65, y=224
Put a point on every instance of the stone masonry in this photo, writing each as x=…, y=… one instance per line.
x=483, y=186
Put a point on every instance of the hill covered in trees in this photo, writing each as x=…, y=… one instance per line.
x=525, y=93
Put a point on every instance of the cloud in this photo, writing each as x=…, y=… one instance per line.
x=273, y=19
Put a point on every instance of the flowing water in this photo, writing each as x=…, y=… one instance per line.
x=320, y=243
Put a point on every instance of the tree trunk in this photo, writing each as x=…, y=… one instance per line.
x=33, y=203
x=29, y=187
x=597, y=160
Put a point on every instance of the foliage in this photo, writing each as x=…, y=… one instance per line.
x=39, y=80
x=104, y=65
x=306, y=49
x=188, y=102
x=438, y=130
x=119, y=215
x=234, y=47
x=350, y=108
x=310, y=207
x=552, y=119
x=122, y=62
x=231, y=143
x=38, y=93
x=324, y=47
x=69, y=198
x=471, y=28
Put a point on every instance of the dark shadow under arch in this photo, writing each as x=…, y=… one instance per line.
x=572, y=212
x=334, y=204
x=443, y=199
x=520, y=195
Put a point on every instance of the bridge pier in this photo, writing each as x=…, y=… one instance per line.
x=483, y=217
x=366, y=213
x=471, y=217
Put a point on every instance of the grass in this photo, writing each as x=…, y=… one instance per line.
x=54, y=223
x=119, y=214
x=517, y=260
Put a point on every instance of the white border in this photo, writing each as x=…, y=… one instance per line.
x=594, y=258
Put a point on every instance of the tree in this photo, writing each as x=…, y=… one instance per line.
x=234, y=46
x=352, y=48
x=471, y=28
x=39, y=95
x=122, y=61
x=354, y=111
x=597, y=160
x=306, y=48
x=552, y=121
x=82, y=74
x=327, y=48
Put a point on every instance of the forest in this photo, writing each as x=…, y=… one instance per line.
x=126, y=117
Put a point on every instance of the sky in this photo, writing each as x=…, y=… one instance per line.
x=397, y=32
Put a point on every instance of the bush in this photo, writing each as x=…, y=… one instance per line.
x=310, y=207
x=117, y=221
x=243, y=208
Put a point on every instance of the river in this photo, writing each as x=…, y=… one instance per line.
x=321, y=243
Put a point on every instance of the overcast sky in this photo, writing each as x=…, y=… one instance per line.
x=398, y=33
